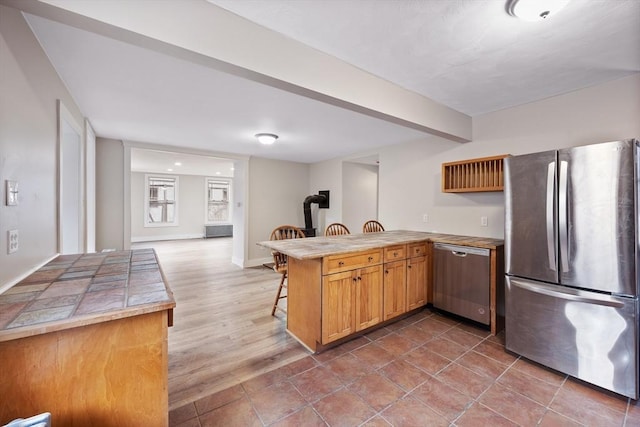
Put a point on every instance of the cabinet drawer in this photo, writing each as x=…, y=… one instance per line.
x=395, y=253
x=345, y=262
x=417, y=249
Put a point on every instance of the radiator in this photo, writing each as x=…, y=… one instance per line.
x=224, y=230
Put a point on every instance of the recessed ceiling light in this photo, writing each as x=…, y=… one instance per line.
x=170, y=170
x=266, y=138
x=218, y=173
x=232, y=168
x=177, y=164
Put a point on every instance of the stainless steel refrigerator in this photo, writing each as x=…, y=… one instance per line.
x=571, y=261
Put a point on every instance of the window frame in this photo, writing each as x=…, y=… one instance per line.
x=229, y=182
x=176, y=181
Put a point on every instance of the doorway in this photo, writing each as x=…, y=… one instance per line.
x=70, y=172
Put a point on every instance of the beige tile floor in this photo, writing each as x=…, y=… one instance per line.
x=426, y=370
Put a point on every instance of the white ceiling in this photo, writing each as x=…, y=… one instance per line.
x=172, y=163
x=467, y=54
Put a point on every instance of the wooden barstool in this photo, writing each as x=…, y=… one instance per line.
x=280, y=260
x=336, y=229
x=372, y=226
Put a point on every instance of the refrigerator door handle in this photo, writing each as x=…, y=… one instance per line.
x=551, y=240
x=563, y=216
x=604, y=300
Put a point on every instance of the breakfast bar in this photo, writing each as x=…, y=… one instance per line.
x=85, y=338
x=341, y=286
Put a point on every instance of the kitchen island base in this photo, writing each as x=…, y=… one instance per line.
x=340, y=287
x=109, y=374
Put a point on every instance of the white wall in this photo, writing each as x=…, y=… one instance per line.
x=110, y=194
x=359, y=194
x=410, y=173
x=29, y=88
x=239, y=212
x=191, y=210
x=276, y=191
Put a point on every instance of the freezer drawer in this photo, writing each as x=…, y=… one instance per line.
x=462, y=281
x=587, y=335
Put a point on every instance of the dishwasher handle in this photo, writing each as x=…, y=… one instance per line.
x=462, y=251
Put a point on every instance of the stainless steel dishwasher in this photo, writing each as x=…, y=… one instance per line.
x=462, y=281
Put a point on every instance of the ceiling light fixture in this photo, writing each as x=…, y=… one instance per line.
x=178, y=164
x=266, y=138
x=535, y=10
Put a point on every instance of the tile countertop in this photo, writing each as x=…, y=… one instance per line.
x=83, y=289
x=318, y=247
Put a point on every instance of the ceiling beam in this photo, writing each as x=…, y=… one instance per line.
x=201, y=32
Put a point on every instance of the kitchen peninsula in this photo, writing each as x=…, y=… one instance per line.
x=341, y=286
x=85, y=338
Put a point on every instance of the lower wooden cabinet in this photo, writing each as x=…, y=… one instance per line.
x=351, y=302
x=417, y=282
x=336, y=296
x=395, y=289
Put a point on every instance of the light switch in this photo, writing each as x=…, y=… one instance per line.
x=484, y=221
x=12, y=193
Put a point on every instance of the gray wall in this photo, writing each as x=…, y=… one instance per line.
x=110, y=194
x=29, y=88
x=359, y=195
x=276, y=191
x=191, y=210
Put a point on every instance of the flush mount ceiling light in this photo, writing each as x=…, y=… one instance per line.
x=535, y=10
x=266, y=138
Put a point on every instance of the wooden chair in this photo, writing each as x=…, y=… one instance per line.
x=336, y=229
x=372, y=226
x=280, y=260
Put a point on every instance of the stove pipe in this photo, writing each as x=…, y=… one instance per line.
x=306, y=207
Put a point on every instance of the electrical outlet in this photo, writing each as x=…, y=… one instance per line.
x=425, y=218
x=484, y=221
x=12, y=241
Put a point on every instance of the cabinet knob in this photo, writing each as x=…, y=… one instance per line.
x=386, y=272
x=359, y=278
x=370, y=258
x=341, y=263
x=354, y=279
x=408, y=266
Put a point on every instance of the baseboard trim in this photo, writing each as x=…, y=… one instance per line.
x=139, y=239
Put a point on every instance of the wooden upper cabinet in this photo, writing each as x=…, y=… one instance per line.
x=467, y=176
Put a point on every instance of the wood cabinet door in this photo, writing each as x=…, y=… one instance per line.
x=395, y=283
x=338, y=305
x=416, y=282
x=368, y=297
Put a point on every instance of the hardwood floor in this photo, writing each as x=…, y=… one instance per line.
x=223, y=331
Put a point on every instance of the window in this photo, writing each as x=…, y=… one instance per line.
x=161, y=201
x=218, y=207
